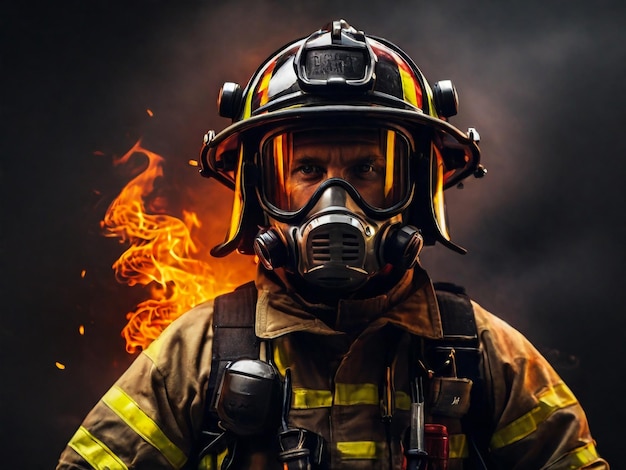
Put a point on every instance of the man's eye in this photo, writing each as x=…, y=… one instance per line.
x=365, y=168
x=310, y=170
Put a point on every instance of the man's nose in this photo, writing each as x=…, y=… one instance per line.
x=334, y=196
x=334, y=172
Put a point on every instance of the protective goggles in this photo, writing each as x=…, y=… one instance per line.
x=370, y=163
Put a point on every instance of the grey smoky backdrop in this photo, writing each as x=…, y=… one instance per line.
x=542, y=81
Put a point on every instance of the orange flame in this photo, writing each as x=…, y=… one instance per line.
x=162, y=254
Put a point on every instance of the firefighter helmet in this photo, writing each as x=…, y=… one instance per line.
x=335, y=77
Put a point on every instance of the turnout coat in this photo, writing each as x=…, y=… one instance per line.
x=350, y=385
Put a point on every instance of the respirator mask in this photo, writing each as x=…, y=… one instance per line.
x=334, y=197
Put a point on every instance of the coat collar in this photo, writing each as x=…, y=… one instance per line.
x=410, y=305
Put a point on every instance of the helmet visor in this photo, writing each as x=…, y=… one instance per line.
x=371, y=162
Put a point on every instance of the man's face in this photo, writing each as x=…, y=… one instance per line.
x=353, y=156
x=372, y=160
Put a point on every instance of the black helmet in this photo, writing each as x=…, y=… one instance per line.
x=339, y=75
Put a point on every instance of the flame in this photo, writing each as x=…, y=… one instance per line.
x=162, y=254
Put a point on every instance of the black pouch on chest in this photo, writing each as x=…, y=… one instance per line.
x=449, y=396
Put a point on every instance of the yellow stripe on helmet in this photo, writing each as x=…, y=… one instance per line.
x=408, y=87
x=262, y=89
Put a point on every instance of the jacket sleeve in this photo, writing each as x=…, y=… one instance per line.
x=538, y=422
x=152, y=415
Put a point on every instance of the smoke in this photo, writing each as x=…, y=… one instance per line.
x=541, y=81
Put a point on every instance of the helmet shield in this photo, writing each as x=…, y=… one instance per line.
x=371, y=163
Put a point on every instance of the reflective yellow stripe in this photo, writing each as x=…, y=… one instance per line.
x=346, y=394
x=206, y=463
x=356, y=394
x=280, y=359
x=220, y=458
x=95, y=452
x=124, y=406
x=212, y=462
x=403, y=401
x=551, y=400
x=152, y=351
x=458, y=446
x=580, y=457
x=304, y=398
x=359, y=450
x=408, y=87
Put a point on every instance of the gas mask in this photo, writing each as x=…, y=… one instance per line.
x=334, y=198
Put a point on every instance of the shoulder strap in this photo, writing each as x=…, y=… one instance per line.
x=233, y=332
x=459, y=329
x=460, y=332
x=233, y=339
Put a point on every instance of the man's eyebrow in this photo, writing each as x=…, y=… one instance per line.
x=307, y=158
x=371, y=157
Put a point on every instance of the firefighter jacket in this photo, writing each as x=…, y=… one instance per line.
x=350, y=385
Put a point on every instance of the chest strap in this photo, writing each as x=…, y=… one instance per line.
x=233, y=333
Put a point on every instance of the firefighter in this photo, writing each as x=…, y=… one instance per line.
x=342, y=353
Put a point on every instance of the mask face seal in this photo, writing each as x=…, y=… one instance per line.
x=335, y=200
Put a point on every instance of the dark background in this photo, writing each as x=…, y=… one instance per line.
x=542, y=81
